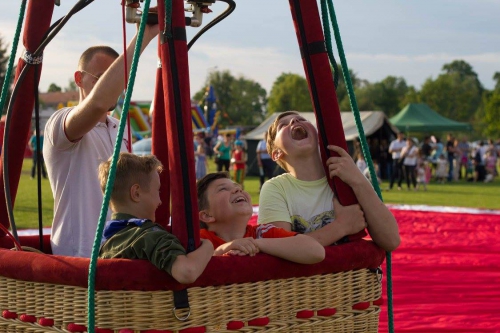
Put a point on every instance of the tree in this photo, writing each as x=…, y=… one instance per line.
x=394, y=90
x=464, y=70
x=386, y=95
x=496, y=77
x=491, y=120
x=289, y=92
x=411, y=96
x=248, y=105
x=365, y=97
x=452, y=95
x=341, y=91
x=54, y=88
x=240, y=100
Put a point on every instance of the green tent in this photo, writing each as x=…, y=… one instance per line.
x=419, y=117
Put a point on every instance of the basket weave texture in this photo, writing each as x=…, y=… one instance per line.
x=211, y=307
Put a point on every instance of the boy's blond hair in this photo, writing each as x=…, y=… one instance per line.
x=271, y=136
x=130, y=169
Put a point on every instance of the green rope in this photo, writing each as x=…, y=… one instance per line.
x=328, y=43
x=167, y=29
x=364, y=146
x=6, y=82
x=111, y=179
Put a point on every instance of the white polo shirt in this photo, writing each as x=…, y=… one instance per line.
x=72, y=168
x=399, y=145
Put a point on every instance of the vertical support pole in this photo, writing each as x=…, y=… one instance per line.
x=38, y=17
x=175, y=72
x=321, y=87
x=160, y=145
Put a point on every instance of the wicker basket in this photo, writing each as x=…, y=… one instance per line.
x=211, y=307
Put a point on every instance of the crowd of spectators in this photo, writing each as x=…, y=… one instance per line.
x=228, y=152
x=405, y=160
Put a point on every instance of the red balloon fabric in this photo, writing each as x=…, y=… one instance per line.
x=446, y=273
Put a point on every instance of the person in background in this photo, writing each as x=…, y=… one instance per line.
x=422, y=175
x=450, y=153
x=360, y=162
x=78, y=138
x=366, y=173
x=409, y=154
x=490, y=165
x=385, y=160
x=34, y=150
x=438, y=150
x=201, y=160
x=239, y=162
x=395, y=149
x=463, y=158
x=223, y=151
x=426, y=149
x=441, y=168
x=456, y=160
x=265, y=162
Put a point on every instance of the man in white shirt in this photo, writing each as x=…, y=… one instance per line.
x=77, y=139
x=395, y=149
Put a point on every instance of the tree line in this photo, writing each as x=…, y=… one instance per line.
x=456, y=93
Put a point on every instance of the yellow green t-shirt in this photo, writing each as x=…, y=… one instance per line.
x=307, y=205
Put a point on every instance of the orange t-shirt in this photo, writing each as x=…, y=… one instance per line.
x=254, y=231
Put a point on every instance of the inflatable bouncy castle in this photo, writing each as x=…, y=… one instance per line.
x=41, y=292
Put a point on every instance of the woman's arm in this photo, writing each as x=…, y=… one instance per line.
x=216, y=148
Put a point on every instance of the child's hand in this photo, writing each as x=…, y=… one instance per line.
x=247, y=246
x=350, y=219
x=343, y=167
x=235, y=253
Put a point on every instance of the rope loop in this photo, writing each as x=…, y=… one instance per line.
x=30, y=59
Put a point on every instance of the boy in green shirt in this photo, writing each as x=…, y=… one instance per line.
x=131, y=233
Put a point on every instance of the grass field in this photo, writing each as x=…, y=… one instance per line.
x=459, y=194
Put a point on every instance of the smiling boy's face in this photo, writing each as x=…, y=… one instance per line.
x=227, y=199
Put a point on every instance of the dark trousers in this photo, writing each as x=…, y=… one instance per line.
x=222, y=163
x=397, y=172
x=33, y=168
x=267, y=171
x=450, y=170
x=410, y=175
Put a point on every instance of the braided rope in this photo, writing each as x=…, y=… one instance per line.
x=167, y=29
x=10, y=66
x=328, y=43
x=364, y=145
x=111, y=179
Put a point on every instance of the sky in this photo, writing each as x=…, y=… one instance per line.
x=405, y=38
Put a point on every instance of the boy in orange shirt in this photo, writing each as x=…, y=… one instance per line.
x=225, y=209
